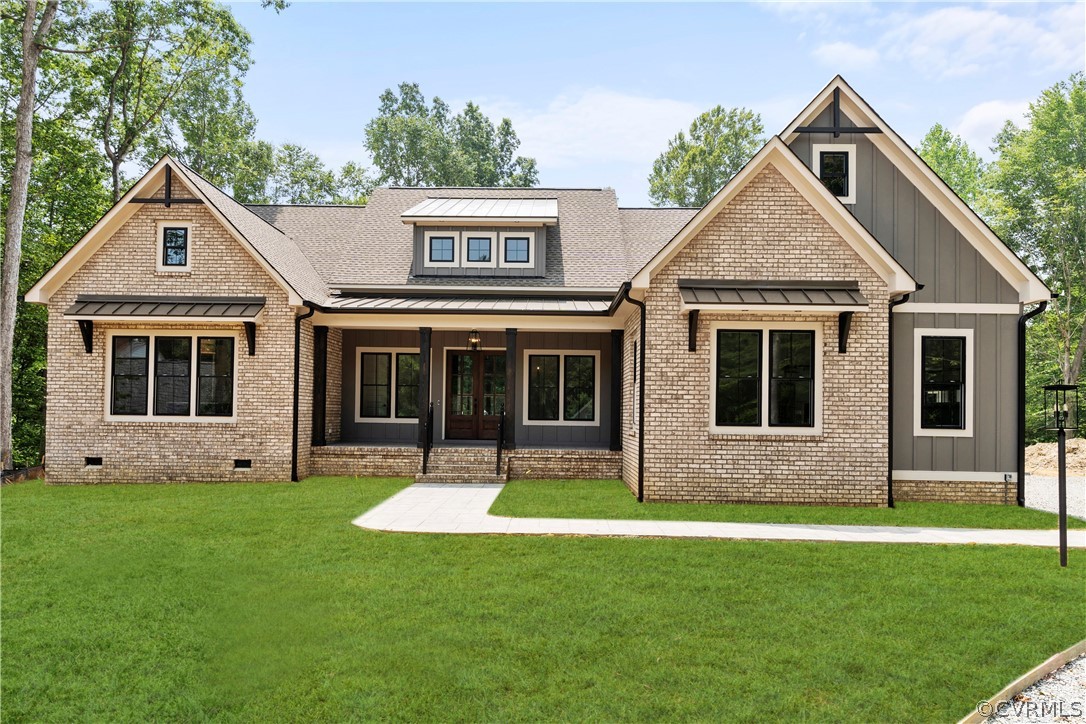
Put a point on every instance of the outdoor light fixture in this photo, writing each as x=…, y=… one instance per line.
x=473, y=339
x=1061, y=415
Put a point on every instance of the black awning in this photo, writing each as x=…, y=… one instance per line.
x=203, y=308
x=746, y=293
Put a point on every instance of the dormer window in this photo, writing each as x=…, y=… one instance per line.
x=441, y=248
x=518, y=249
x=479, y=248
x=174, y=253
x=834, y=164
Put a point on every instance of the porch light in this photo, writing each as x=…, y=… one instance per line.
x=1061, y=415
x=473, y=339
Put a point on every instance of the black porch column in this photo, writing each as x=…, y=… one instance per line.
x=617, y=336
x=424, y=382
x=320, y=384
x=510, y=389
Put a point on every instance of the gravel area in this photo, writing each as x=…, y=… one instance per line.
x=1059, y=697
x=1041, y=494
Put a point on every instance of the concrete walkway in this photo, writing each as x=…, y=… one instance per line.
x=442, y=508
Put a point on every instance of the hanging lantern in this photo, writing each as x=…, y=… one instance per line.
x=474, y=339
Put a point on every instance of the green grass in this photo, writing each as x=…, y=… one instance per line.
x=262, y=602
x=610, y=499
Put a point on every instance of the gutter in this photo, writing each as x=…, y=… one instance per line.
x=1022, y=320
x=297, y=384
x=890, y=395
x=625, y=296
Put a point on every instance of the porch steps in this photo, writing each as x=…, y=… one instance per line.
x=463, y=465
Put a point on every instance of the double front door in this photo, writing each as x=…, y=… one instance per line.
x=474, y=394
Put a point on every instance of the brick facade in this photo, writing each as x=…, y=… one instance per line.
x=955, y=491
x=768, y=231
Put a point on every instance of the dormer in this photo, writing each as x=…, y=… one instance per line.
x=481, y=237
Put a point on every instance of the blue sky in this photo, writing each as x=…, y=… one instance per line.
x=596, y=90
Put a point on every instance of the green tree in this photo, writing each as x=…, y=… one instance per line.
x=252, y=175
x=301, y=177
x=696, y=165
x=353, y=184
x=950, y=157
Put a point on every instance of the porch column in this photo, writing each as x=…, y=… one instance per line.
x=616, y=388
x=320, y=384
x=424, y=381
x=510, y=388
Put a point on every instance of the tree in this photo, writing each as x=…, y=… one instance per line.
x=950, y=157
x=414, y=143
x=353, y=184
x=301, y=177
x=695, y=166
x=1038, y=206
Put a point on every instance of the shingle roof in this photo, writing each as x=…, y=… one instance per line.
x=646, y=231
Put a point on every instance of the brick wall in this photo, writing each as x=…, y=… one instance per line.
x=955, y=491
x=767, y=232
x=333, y=411
x=564, y=464
x=171, y=451
x=629, y=399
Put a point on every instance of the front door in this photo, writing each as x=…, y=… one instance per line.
x=475, y=391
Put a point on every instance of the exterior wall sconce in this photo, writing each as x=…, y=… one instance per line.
x=1061, y=415
x=473, y=339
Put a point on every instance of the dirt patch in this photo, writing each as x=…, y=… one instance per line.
x=1041, y=457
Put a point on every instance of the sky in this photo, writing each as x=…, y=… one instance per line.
x=595, y=91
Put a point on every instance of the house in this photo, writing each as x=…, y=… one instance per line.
x=834, y=326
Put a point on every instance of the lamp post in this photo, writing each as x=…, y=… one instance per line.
x=1061, y=415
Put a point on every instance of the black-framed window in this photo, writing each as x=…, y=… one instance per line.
x=173, y=376
x=942, y=383
x=517, y=249
x=407, y=385
x=791, y=378
x=129, y=371
x=833, y=171
x=376, y=389
x=442, y=248
x=215, y=376
x=738, y=377
x=543, y=373
x=480, y=249
x=175, y=246
x=579, y=388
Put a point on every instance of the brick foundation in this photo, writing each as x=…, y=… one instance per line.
x=955, y=491
x=565, y=464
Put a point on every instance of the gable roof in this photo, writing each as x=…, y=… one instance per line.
x=1030, y=287
x=777, y=154
x=646, y=230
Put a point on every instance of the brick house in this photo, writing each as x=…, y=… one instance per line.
x=834, y=326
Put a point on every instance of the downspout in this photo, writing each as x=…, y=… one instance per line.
x=1022, y=319
x=640, y=395
x=890, y=397
x=297, y=386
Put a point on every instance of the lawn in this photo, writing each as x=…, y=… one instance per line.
x=609, y=499
x=261, y=602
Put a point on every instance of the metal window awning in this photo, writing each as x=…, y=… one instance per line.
x=166, y=309
x=525, y=212
x=771, y=296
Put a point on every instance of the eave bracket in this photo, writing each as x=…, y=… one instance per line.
x=86, y=328
x=692, y=330
x=844, y=326
x=250, y=336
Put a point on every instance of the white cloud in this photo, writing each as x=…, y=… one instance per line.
x=982, y=122
x=844, y=57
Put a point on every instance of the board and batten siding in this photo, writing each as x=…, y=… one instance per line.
x=538, y=269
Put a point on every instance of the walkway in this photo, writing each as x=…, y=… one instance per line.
x=443, y=508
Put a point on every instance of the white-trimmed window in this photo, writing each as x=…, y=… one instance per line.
x=480, y=249
x=518, y=249
x=441, y=248
x=766, y=378
x=174, y=246
x=387, y=385
x=179, y=376
x=835, y=166
x=943, y=382
x=561, y=387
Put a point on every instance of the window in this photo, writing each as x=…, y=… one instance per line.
x=834, y=164
x=943, y=404
x=479, y=247
x=766, y=378
x=173, y=246
x=388, y=385
x=440, y=248
x=167, y=390
x=561, y=387
x=518, y=249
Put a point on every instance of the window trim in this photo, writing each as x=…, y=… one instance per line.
x=468, y=235
x=969, y=367
x=160, y=246
x=816, y=165
x=454, y=235
x=764, y=428
x=561, y=354
x=152, y=334
x=395, y=352
x=531, y=236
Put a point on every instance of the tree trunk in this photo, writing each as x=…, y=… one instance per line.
x=1075, y=368
x=13, y=223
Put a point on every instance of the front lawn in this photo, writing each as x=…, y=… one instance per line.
x=610, y=499
x=262, y=602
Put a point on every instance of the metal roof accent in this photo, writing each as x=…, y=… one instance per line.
x=510, y=209
x=732, y=292
x=442, y=304
x=90, y=306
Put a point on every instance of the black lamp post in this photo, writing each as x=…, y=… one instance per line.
x=1061, y=415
